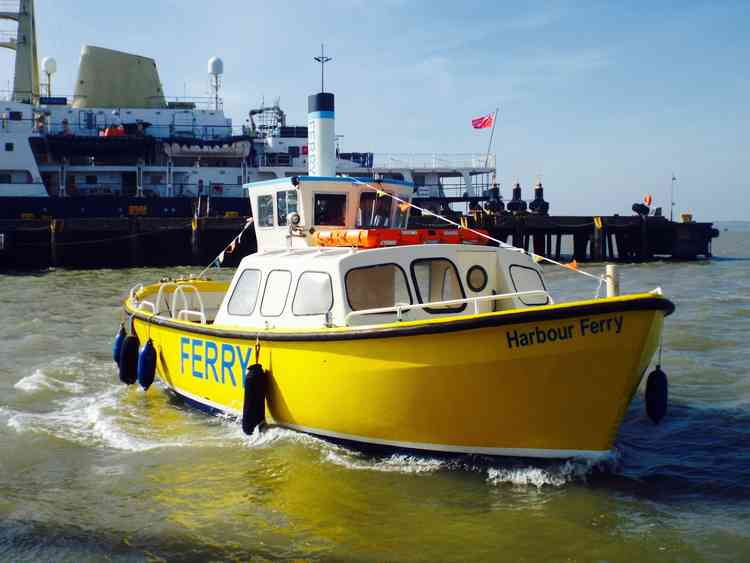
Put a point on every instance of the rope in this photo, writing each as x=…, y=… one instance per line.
x=500, y=243
x=230, y=243
x=99, y=241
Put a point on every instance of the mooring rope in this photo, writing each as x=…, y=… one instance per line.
x=380, y=192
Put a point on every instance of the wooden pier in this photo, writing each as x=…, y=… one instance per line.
x=119, y=242
x=136, y=241
x=606, y=238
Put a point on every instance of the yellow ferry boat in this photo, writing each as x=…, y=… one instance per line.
x=439, y=347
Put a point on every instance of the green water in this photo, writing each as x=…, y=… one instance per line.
x=91, y=470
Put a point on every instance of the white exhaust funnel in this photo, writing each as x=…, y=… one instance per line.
x=321, y=135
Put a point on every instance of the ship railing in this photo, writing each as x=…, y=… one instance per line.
x=7, y=38
x=78, y=126
x=207, y=103
x=431, y=161
x=160, y=189
x=400, y=308
x=438, y=191
x=198, y=132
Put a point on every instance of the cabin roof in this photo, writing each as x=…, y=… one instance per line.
x=330, y=258
x=339, y=179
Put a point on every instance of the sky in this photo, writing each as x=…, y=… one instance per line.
x=604, y=101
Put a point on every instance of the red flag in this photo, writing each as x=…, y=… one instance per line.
x=484, y=122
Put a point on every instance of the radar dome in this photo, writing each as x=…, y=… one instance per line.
x=215, y=66
x=49, y=65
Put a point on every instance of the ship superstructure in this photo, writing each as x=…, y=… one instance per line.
x=118, y=135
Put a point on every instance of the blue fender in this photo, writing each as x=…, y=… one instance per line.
x=254, y=403
x=147, y=365
x=656, y=395
x=129, y=360
x=117, y=345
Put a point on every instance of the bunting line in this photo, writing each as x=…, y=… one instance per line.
x=573, y=266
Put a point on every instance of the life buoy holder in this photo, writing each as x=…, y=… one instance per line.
x=378, y=238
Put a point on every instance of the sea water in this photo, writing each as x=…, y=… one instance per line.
x=92, y=470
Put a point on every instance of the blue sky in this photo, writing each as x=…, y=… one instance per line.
x=602, y=100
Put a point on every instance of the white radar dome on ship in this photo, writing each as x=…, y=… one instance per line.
x=49, y=65
x=215, y=66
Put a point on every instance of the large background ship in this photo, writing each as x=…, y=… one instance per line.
x=118, y=136
x=117, y=174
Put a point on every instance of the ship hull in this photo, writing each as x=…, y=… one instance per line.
x=549, y=382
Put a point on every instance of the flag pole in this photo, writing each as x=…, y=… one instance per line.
x=671, y=199
x=492, y=134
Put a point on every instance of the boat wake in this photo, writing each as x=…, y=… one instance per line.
x=93, y=420
x=39, y=380
x=556, y=474
x=528, y=473
x=77, y=400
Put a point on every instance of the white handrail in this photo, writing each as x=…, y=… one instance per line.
x=399, y=309
x=148, y=304
x=180, y=291
x=159, y=296
x=134, y=290
x=185, y=314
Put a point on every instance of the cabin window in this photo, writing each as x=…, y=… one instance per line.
x=286, y=203
x=245, y=294
x=330, y=209
x=528, y=279
x=90, y=180
x=314, y=295
x=15, y=177
x=275, y=293
x=436, y=279
x=9, y=147
x=401, y=215
x=265, y=211
x=374, y=211
x=378, y=286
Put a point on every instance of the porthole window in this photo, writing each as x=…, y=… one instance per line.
x=476, y=278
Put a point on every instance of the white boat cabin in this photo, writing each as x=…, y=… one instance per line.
x=292, y=284
x=288, y=211
x=309, y=288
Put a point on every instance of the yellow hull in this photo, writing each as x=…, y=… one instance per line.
x=551, y=381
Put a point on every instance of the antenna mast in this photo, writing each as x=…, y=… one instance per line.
x=322, y=59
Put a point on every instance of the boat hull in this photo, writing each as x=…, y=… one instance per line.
x=552, y=381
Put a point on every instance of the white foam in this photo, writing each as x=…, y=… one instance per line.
x=396, y=463
x=555, y=475
x=270, y=435
x=38, y=381
x=85, y=420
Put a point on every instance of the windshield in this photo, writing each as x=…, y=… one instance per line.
x=374, y=211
